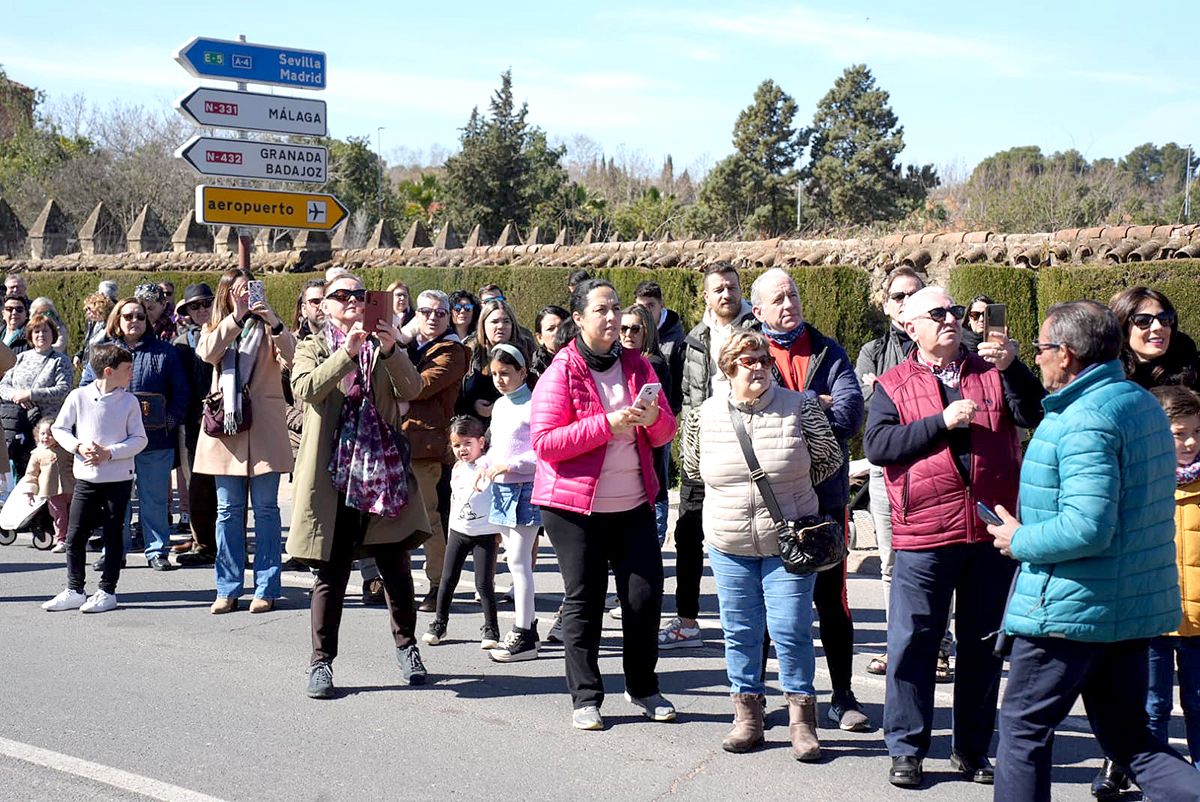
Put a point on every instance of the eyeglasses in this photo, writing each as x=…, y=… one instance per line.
x=314, y=301
x=900, y=296
x=12, y=309
x=752, y=362
x=636, y=328
x=196, y=306
x=130, y=316
x=436, y=313
x=1144, y=320
x=463, y=307
x=938, y=314
x=1039, y=347
x=342, y=296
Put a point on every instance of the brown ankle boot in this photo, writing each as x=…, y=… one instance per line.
x=802, y=726
x=747, y=732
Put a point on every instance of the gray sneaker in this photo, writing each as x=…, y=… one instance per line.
x=587, y=718
x=412, y=669
x=320, y=680
x=655, y=708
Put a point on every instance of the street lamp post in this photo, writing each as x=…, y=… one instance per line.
x=379, y=157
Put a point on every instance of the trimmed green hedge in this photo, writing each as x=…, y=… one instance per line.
x=1014, y=286
x=1178, y=279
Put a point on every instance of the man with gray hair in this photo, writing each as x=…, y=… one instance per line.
x=943, y=426
x=442, y=362
x=1096, y=544
x=805, y=360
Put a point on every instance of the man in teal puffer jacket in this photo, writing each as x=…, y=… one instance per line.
x=1096, y=543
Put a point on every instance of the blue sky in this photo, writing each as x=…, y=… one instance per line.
x=966, y=79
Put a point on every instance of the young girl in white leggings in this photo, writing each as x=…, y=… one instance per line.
x=509, y=465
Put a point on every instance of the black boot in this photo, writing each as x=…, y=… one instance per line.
x=1110, y=781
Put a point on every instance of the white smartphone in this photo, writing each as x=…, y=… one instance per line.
x=648, y=394
x=258, y=293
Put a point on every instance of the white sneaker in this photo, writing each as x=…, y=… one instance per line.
x=100, y=602
x=67, y=600
x=59, y=548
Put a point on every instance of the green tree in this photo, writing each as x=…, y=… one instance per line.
x=852, y=176
x=506, y=172
x=358, y=179
x=751, y=191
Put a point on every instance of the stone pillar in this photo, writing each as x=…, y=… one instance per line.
x=51, y=234
x=100, y=233
x=147, y=234
x=417, y=236
x=226, y=241
x=447, y=239
x=190, y=236
x=14, y=239
x=383, y=236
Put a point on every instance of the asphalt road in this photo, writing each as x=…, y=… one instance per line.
x=201, y=707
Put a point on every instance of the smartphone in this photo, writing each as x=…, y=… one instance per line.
x=377, y=307
x=648, y=394
x=995, y=320
x=987, y=515
x=258, y=293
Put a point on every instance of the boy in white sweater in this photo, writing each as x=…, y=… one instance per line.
x=101, y=424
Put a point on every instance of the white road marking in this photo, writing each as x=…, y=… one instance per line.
x=107, y=775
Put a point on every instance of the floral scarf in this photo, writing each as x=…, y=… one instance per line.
x=371, y=461
x=1187, y=474
x=948, y=374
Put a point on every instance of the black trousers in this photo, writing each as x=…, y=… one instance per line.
x=97, y=505
x=202, y=500
x=329, y=591
x=587, y=545
x=482, y=549
x=689, y=549
x=834, y=624
x=1045, y=678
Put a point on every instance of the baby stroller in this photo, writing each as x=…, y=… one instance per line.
x=25, y=512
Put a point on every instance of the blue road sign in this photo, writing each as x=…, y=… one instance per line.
x=256, y=64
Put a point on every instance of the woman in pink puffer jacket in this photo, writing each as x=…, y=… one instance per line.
x=596, y=485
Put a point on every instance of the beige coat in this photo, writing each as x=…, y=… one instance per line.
x=316, y=378
x=52, y=470
x=263, y=448
x=736, y=520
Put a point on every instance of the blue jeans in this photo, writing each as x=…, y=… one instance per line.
x=662, y=509
x=1164, y=652
x=152, y=472
x=231, y=534
x=757, y=595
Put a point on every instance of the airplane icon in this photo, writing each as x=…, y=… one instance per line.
x=316, y=211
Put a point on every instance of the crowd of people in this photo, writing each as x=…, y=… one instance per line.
x=452, y=429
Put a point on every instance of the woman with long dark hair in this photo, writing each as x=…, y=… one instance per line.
x=249, y=347
x=1156, y=352
x=595, y=480
x=497, y=324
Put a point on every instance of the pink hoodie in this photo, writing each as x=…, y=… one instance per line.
x=570, y=430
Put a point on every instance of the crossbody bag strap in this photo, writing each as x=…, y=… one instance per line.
x=756, y=472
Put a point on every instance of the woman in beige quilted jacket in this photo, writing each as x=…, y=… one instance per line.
x=796, y=448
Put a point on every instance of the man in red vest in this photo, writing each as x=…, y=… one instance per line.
x=943, y=425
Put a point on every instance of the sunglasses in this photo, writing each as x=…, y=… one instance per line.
x=900, y=296
x=132, y=316
x=342, y=296
x=10, y=309
x=938, y=314
x=1144, y=320
x=461, y=307
x=436, y=313
x=493, y=298
x=1039, y=346
x=636, y=328
x=975, y=315
x=752, y=362
x=315, y=301
x=196, y=306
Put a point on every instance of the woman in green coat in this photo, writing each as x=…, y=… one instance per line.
x=356, y=387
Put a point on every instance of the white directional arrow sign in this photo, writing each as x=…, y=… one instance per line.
x=250, y=111
x=242, y=158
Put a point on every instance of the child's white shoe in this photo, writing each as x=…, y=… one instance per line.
x=100, y=602
x=67, y=600
x=59, y=548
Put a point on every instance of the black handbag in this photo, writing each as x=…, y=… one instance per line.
x=806, y=546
